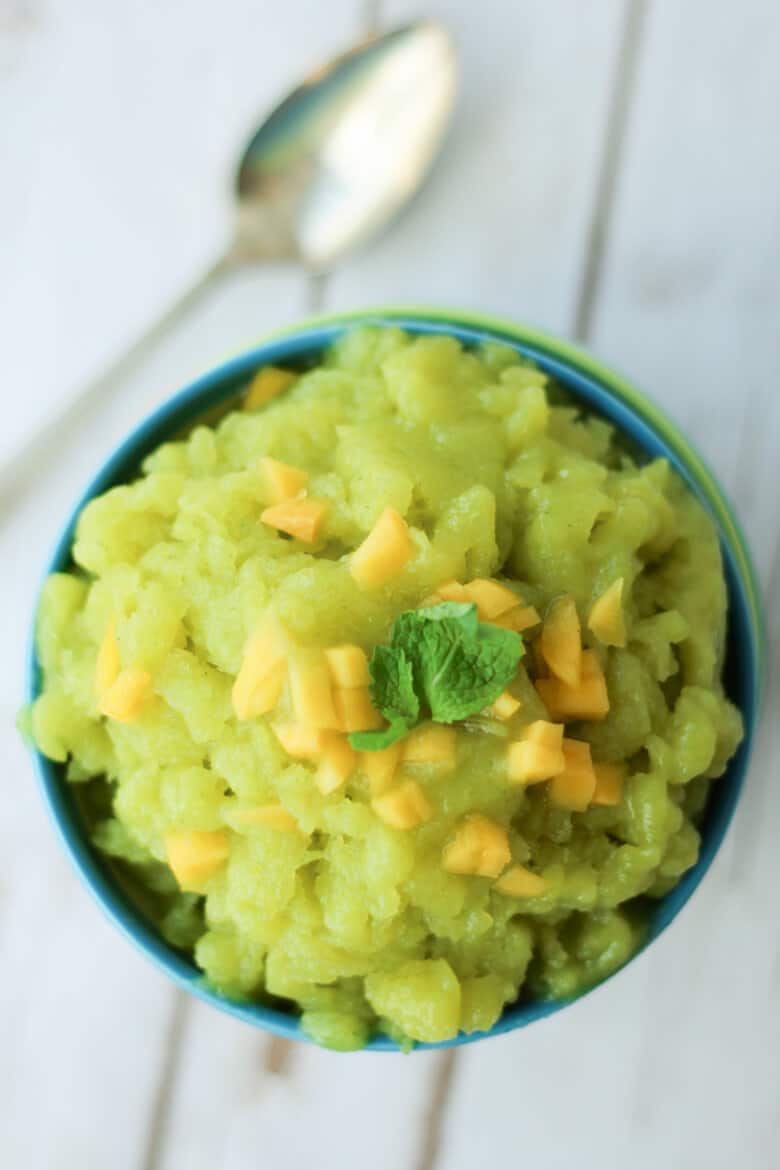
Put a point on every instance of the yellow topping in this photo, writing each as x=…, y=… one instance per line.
x=452, y=591
x=348, y=666
x=519, y=882
x=126, y=697
x=479, y=847
x=431, y=744
x=587, y=700
x=270, y=816
x=310, y=687
x=380, y=767
x=107, y=666
x=522, y=617
x=606, y=618
x=504, y=706
x=538, y=754
x=609, y=783
x=404, y=807
x=284, y=482
x=299, y=518
x=490, y=597
x=194, y=857
x=299, y=741
x=266, y=384
x=337, y=763
x=354, y=710
x=261, y=674
x=573, y=787
x=561, y=641
x=383, y=553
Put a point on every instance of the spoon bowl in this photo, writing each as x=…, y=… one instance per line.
x=346, y=149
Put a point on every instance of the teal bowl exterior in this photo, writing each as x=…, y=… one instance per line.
x=597, y=388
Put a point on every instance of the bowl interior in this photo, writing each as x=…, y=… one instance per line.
x=598, y=389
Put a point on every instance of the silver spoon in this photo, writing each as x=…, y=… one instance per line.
x=329, y=167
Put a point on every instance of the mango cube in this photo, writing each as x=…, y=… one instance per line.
x=126, y=697
x=479, y=847
x=519, y=882
x=283, y=481
x=264, y=655
x=336, y=765
x=348, y=666
x=452, y=591
x=301, y=519
x=522, y=617
x=194, y=857
x=355, y=711
x=311, y=691
x=610, y=779
x=490, y=597
x=561, y=641
x=403, y=807
x=587, y=700
x=431, y=744
x=270, y=816
x=538, y=754
x=505, y=706
x=383, y=553
x=266, y=384
x=299, y=741
x=606, y=618
x=573, y=788
x=107, y=665
x=380, y=767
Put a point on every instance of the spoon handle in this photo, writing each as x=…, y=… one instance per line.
x=16, y=471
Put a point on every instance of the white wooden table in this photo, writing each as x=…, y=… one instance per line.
x=614, y=175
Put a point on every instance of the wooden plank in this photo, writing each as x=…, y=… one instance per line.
x=675, y=1063
x=501, y=225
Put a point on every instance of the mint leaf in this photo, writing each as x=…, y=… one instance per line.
x=392, y=693
x=441, y=662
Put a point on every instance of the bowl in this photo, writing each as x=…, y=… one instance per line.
x=596, y=387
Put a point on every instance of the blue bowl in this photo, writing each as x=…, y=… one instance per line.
x=599, y=389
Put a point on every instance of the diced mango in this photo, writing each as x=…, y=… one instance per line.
x=538, y=754
x=573, y=788
x=610, y=779
x=266, y=384
x=403, y=807
x=431, y=599
x=491, y=598
x=265, y=651
x=431, y=744
x=452, y=591
x=311, y=690
x=271, y=816
x=299, y=518
x=265, y=695
x=380, y=767
x=348, y=666
x=522, y=617
x=519, y=882
x=355, y=711
x=107, y=666
x=606, y=618
x=383, y=553
x=128, y=694
x=587, y=700
x=195, y=857
x=504, y=706
x=336, y=765
x=299, y=741
x=479, y=847
x=283, y=481
x=562, y=641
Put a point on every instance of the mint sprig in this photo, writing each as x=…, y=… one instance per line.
x=441, y=663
